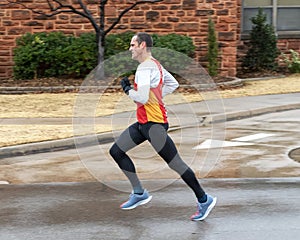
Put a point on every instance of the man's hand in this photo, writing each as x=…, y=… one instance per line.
x=126, y=85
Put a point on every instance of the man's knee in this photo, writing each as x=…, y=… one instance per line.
x=116, y=152
x=178, y=165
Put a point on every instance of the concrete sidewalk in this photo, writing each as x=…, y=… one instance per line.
x=196, y=113
x=248, y=209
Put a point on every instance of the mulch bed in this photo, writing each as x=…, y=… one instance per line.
x=59, y=82
x=41, y=82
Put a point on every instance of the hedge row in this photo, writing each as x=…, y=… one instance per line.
x=55, y=54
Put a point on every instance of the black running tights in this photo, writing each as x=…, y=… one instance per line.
x=156, y=134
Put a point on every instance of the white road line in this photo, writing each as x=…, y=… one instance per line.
x=241, y=141
x=210, y=143
x=4, y=182
x=253, y=137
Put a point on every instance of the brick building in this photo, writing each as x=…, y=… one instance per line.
x=188, y=17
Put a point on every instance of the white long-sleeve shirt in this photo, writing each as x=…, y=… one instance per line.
x=148, y=76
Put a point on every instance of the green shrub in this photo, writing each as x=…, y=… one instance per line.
x=263, y=51
x=176, y=42
x=292, y=61
x=81, y=55
x=212, y=54
x=117, y=43
x=118, y=60
x=173, y=51
x=55, y=54
x=40, y=55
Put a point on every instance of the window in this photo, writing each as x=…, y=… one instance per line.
x=284, y=15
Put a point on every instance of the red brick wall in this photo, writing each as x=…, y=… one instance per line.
x=285, y=45
x=188, y=17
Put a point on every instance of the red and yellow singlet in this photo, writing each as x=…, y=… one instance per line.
x=154, y=110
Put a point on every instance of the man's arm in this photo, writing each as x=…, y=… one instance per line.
x=142, y=93
x=170, y=83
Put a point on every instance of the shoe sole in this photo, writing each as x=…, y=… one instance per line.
x=138, y=203
x=211, y=206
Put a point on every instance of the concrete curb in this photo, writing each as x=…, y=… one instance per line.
x=55, y=145
x=249, y=113
x=102, y=138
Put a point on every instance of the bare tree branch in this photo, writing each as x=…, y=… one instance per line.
x=67, y=8
x=127, y=10
x=84, y=8
x=50, y=5
x=54, y=11
x=58, y=6
x=61, y=8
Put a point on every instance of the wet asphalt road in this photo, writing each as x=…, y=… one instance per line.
x=249, y=209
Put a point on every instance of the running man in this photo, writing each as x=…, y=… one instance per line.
x=152, y=82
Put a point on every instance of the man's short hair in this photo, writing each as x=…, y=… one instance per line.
x=145, y=37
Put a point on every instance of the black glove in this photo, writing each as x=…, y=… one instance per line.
x=126, y=85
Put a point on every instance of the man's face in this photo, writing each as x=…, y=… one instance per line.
x=135, y=48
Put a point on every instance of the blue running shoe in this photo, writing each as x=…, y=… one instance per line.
x=136, y=200
x=203, y=209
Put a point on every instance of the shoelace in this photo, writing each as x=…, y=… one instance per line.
x=199, y=207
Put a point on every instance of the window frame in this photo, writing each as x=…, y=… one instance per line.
x=274, y=7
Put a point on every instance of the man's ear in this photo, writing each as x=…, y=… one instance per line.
x=143, y=44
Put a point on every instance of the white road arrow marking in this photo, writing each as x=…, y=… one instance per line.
x=241, y=141
x=210, y=143
x=253, y=137
x=4, y=182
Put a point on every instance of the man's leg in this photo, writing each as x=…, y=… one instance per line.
x=165, y=147
x=130, y=138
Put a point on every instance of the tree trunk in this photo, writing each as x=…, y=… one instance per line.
x=100, y=40
x=100, y=67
